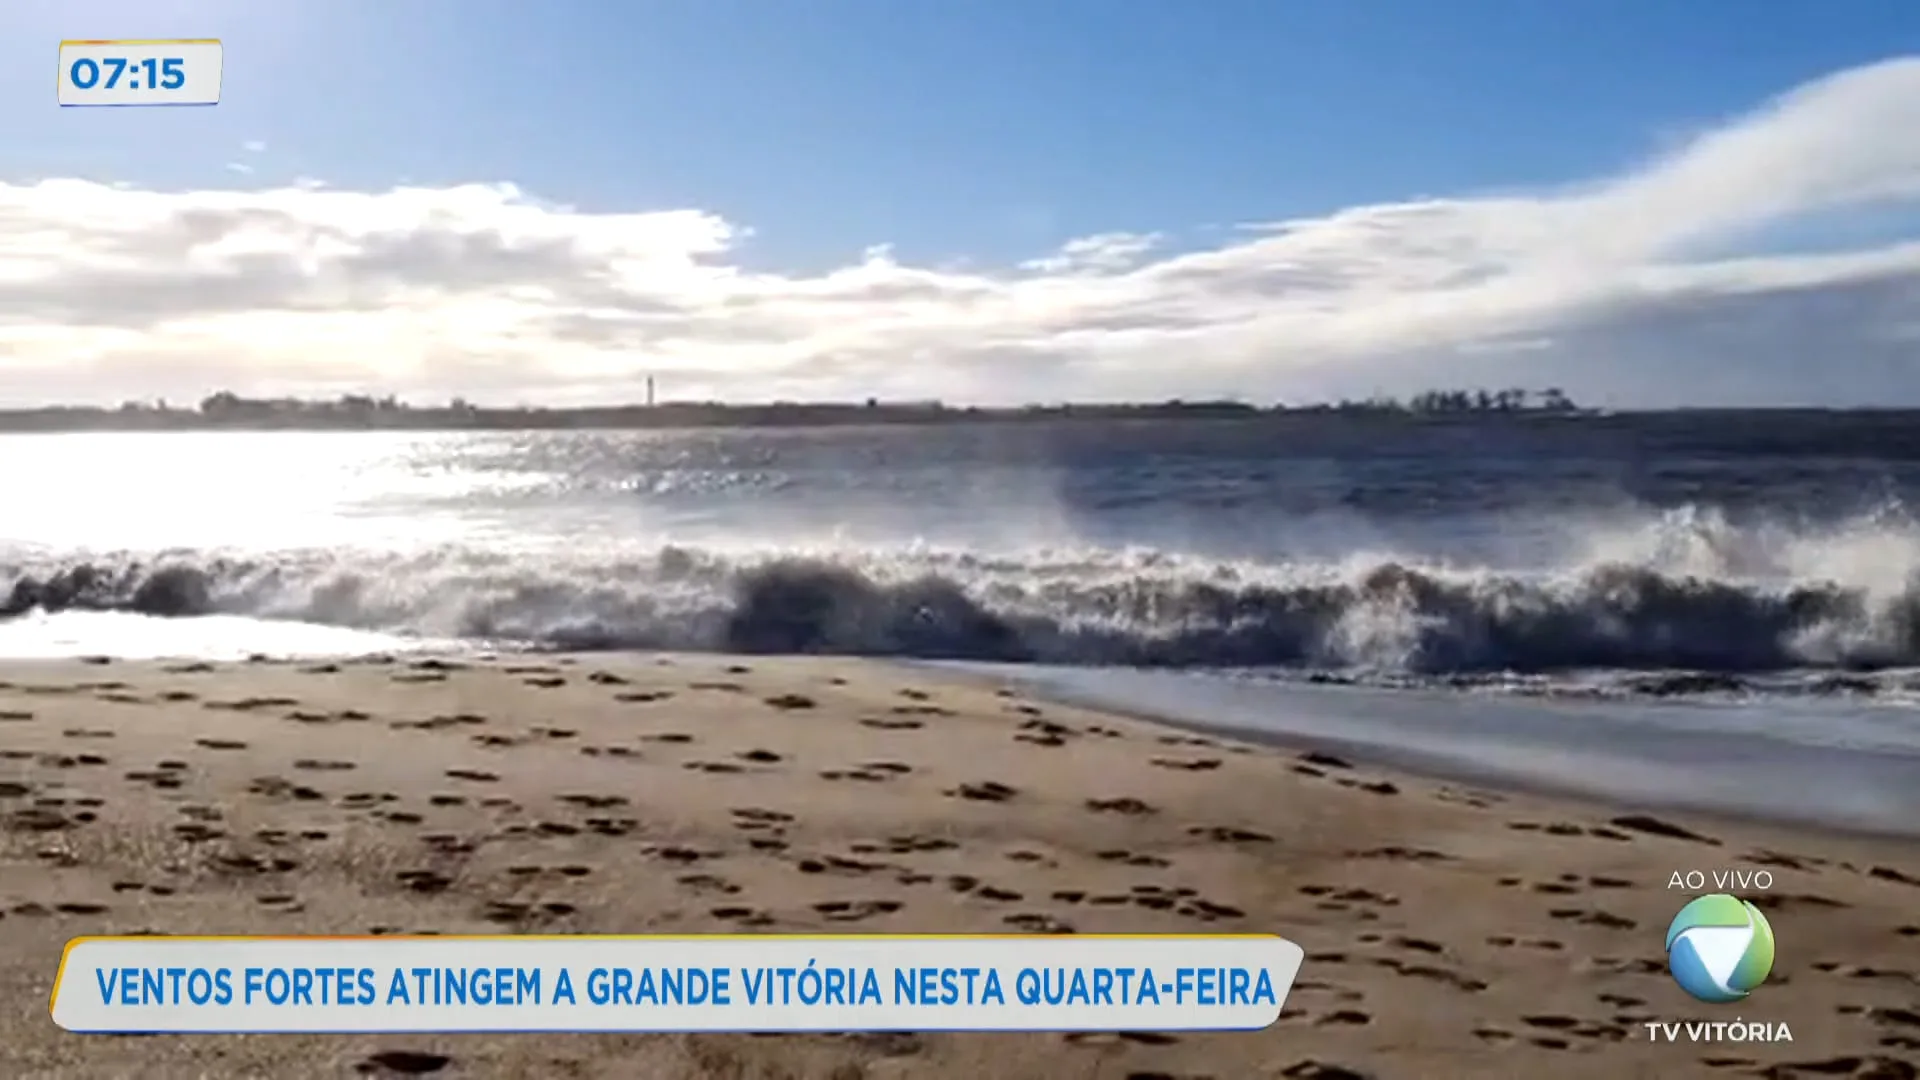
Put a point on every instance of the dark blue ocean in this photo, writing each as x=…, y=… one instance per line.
x=1707, y=609
x=1542, y=552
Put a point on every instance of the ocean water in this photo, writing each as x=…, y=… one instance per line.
x=1734, y=558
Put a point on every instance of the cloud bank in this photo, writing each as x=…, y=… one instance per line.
x=1662, y=284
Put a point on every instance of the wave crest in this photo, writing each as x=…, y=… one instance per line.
x=1643, y=608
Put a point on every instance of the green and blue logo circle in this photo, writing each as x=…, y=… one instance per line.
x=1719, y=948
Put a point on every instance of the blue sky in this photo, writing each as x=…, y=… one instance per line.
x=965, y=134
x=979, y=129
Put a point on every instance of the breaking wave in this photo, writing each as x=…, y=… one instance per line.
x=1689, y=592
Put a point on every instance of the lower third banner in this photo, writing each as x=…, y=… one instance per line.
x=606, y=983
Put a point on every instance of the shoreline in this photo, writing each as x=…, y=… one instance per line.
x=1450, y=931
x=1199, y=715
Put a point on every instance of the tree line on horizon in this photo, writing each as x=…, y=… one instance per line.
x=225, y=404
x=226, y=408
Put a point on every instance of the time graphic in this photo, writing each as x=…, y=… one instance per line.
x=133, y=73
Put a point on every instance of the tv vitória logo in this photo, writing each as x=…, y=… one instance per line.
x=1719, y=948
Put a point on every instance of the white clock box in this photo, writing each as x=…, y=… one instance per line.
x=144, y=72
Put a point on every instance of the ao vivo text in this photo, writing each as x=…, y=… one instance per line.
x=1721, y=880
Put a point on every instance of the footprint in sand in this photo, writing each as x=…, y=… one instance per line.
x=277, y=787
x=593, y=802
x=1592, y=917
x=913, y=844
x=856, y=910
x=743, y=916
x=709, y=883
x=426, y=882
x=1209, y=911
x=1653, y=826
x=1397, y=853
x=1769, y=857
x=40, y=819
x=220, y=744
x=237, y=862
x=478, y=776
x=1229, y=834
x=402, y=1063
x=983, y=791
x=1429, y=972
x=611, y=751
x=1035, y=922
x=749, y=817
x=1376, y=787
x=839, y=864
x=448, y=843
x=1186, y=764
x=1043, y=733
x=790, y=702
x=1156, y=897
x=1132, y=858
x=1123, y=805
x=643, y=697
x=437, y=723
x=252, y=704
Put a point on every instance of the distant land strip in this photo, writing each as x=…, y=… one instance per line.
x=231, y=412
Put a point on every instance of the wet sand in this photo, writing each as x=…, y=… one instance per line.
x=1449, y=932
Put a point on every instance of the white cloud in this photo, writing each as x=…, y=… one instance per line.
x=482, y=290
x=240, y=168
x=254, y=146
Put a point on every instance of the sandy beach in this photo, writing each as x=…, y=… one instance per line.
x=1449, y=932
